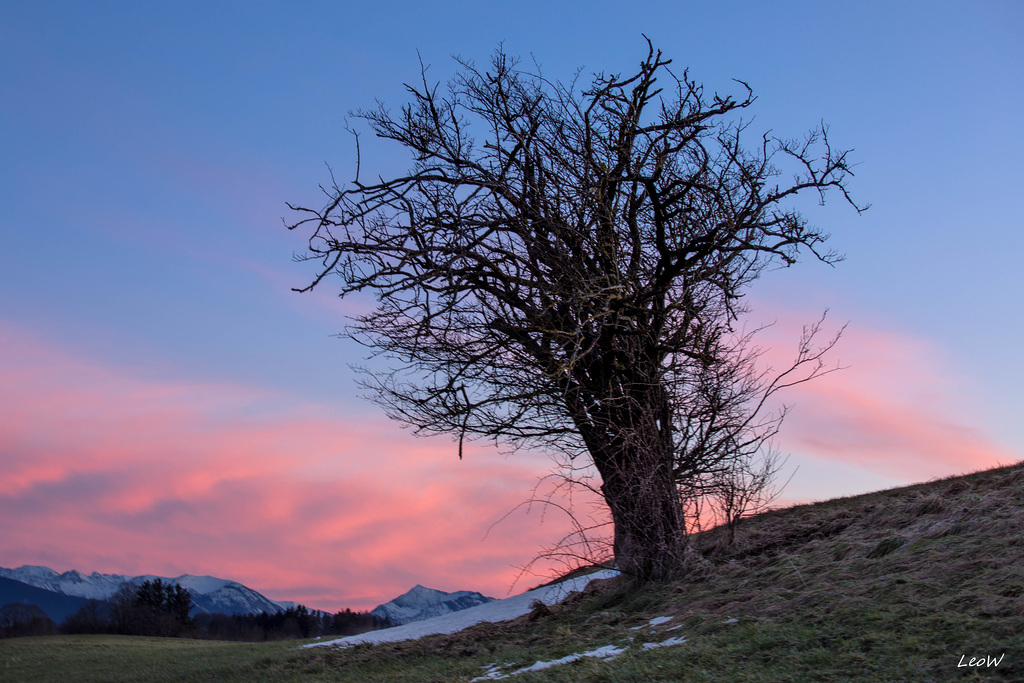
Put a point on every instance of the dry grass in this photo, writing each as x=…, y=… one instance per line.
x=956, y=542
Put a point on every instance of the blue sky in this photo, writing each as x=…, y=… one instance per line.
x=149, y=149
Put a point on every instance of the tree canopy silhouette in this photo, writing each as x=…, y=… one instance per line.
x=563, y=266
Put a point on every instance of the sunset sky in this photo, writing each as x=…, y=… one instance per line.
x=168, y=405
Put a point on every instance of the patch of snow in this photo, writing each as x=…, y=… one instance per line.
x=665, y=643
x=492, y=673
x=498, y=610
x=656, y=621
x=608, y=652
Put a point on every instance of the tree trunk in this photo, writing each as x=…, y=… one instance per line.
x=628, y=433
x=650, y=531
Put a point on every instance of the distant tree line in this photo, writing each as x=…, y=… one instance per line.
x=155, y=608
x=292, y=623
x=18, y=619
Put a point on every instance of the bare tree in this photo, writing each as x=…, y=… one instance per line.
x=563, y=267
x=730, y=464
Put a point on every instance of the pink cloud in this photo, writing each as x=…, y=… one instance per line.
x=106, y=471
x=896, y=408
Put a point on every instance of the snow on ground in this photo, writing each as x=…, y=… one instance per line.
x=656, y=621
x=503, y=610
x=668, y=642
x=608, y=652
x=499, y=610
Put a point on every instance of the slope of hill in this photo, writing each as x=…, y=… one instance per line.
x=920, y=583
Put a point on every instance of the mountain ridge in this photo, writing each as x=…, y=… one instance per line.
x=209, y=594
x=60, y=594
x=420, y=602
x=57, y=606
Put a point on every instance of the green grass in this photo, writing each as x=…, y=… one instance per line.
x=889, y=586
x=87, y=659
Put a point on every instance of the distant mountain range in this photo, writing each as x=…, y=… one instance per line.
x=424, y=603
x=62, y=594
x=56, y=605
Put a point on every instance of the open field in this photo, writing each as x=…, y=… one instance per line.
x=900, y=585
x=127, y=658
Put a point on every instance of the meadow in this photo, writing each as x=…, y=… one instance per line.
x=921, y=583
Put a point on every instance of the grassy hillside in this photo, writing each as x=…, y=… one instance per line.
x=899, y=585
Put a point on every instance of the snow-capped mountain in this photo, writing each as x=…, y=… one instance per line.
x=209, y=594
x=97, y=586
x=57, y=606
x=212, y=595
x=424, y=603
